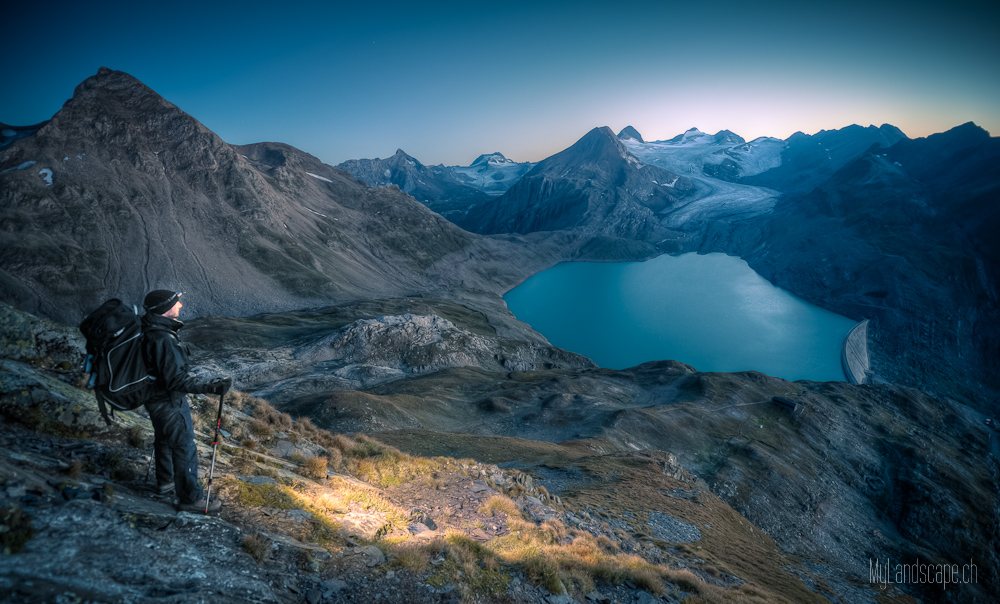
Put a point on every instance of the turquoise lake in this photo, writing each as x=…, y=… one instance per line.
x=711, y=311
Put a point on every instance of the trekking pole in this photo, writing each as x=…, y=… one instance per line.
x=215, y=449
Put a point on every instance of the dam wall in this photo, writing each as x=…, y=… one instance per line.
x=854, y=354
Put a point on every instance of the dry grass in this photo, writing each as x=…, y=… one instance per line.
x=412, y=556
x=341, y=443
x=135, y=437
x=75, y=468
x=378, y=464
x=314, y=467
x=500, y=504
x=257, y=545
x=260, y=429
x=334, y=458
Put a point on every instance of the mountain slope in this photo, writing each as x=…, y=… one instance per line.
x=595, y=185
x=808, y=160
x=121, y=192
x=440, y=188
x=904, y=236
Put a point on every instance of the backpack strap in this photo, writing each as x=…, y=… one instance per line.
x=104, y=407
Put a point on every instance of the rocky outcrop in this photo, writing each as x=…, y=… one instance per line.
x=366, y=352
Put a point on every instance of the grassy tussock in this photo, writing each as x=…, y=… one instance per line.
x=500, y=504
x=314, y=467
x=414, y=557
x=257, y=545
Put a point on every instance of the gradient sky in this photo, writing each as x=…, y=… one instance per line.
x=448, y=81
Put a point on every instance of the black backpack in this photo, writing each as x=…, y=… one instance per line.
x=114, y=358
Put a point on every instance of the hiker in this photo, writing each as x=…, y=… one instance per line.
x=167, y=360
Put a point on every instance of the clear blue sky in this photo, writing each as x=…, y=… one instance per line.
x=448, y=81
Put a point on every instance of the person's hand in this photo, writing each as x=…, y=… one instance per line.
x=221, y=385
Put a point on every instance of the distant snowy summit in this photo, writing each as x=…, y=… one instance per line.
x=492, y=159
x=724, y=155
x=492, y=173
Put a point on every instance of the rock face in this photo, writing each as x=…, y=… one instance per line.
x=595, y=185
x=121, y=192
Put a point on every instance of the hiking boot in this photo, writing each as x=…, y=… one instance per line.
x=198, y=507
x=165, y=489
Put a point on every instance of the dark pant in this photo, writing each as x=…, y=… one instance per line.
x=174, y=449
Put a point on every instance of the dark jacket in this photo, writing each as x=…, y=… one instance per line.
x=167, y=359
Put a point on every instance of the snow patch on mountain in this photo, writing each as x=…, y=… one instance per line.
x=317, y=176
x=26, y=164
x=691, y=152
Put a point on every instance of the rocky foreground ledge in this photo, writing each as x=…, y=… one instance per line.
x=312, y=516
x=81, y=523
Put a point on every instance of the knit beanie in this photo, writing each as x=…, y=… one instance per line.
x=160, y=301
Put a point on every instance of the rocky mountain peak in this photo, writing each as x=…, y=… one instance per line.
x=597, y=146
x=727, y=136
x=628, y=132
x=117, y=114
x=966, y=135
x=403, y=157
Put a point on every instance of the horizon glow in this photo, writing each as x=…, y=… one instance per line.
x=448, y=83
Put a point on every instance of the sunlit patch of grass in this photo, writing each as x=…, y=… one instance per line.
x=384, y=466
x=500, y=504
x=556, y=561
x=262, y=495
x=371, y=500
x=314, y=467
x=323, y=530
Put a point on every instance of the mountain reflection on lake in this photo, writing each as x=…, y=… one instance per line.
x=711, y=311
